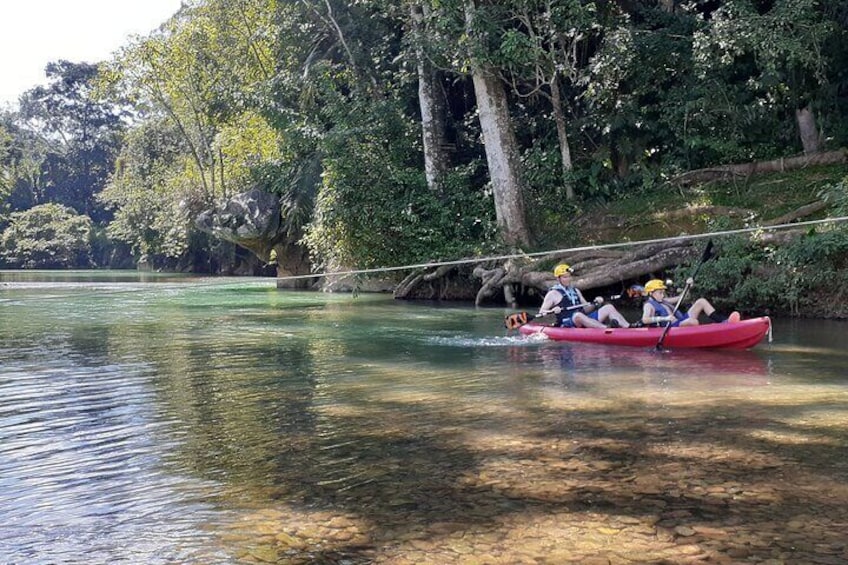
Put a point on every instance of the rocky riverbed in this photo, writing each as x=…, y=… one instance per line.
x=685, y=480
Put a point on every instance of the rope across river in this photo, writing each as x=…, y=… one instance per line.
x=626, y=244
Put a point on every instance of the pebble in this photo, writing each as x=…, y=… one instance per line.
x=684, y=531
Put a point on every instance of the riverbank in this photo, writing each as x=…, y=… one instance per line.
x=794, y=272
x=788, y=268
x=670, y=210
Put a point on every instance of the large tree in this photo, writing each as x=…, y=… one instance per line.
x=74, y=137
x=502, y=151
x=337, y=106
x=197, y=84
x=541, y=55
x=430, y=101
x=47, y=236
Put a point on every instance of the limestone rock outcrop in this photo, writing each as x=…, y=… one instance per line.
x=250, y=219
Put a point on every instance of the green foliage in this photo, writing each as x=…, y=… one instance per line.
x=808, y=268
x=543, y=173
x=151, y=215
x=200, y=81
x=550, y=212
x=764, y=63
x=732, y=277
x=74, y=138
x=297, y=184
x=47, y=236
x=317, y=101
x=837, y=196
x=789, y=279
x=7, y=176
x=709, y=83
x=785, y=43
x=374, y=207
x=204, y=72
x=361, y=223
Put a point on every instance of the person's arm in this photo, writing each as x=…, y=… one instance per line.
x=589, y=307
x=673, y=300
x=649, y=315
x=549, y=304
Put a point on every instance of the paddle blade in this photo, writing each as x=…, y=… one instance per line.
x=516, y=320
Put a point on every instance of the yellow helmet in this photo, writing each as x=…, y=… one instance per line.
x=654, y=284
x=562, y=269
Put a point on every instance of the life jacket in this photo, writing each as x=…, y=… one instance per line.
x=661, y=309
x=569, y=298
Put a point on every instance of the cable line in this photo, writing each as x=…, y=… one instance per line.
x=562, y=251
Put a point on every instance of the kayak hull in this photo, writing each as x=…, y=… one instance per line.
x=732, y=335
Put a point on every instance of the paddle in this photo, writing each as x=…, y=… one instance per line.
x=704, y=258
x=513, y=321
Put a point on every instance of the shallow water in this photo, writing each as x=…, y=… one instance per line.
x=161, y=419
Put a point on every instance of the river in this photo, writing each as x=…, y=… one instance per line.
x=152, y=418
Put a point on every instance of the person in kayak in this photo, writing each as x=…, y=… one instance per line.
x=657, y=309
x=574, y=311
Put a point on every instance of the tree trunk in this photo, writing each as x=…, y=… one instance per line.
x=502, y=153
x=775, y=165
x=562, y=134
x=293, y=259
x=432, y=110
x=620, y=161
x=810, y=138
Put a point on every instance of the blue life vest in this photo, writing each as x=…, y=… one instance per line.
x=661, y=309
x=569, y=298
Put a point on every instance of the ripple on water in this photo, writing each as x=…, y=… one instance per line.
x=491, y=341
x=81, y=460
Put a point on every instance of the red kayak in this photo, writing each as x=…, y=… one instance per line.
x=732, y=335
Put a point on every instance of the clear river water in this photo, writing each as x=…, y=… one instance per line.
x=151, y=418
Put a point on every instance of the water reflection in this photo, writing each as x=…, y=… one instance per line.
x=590, y=362
x=41, y=279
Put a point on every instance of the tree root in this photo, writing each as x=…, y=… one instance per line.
x=446, y=282
x=594, y=268
x=802, y=212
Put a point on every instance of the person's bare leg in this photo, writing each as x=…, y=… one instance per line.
x=609, y=311
x=581, y=320
x=700, y=306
